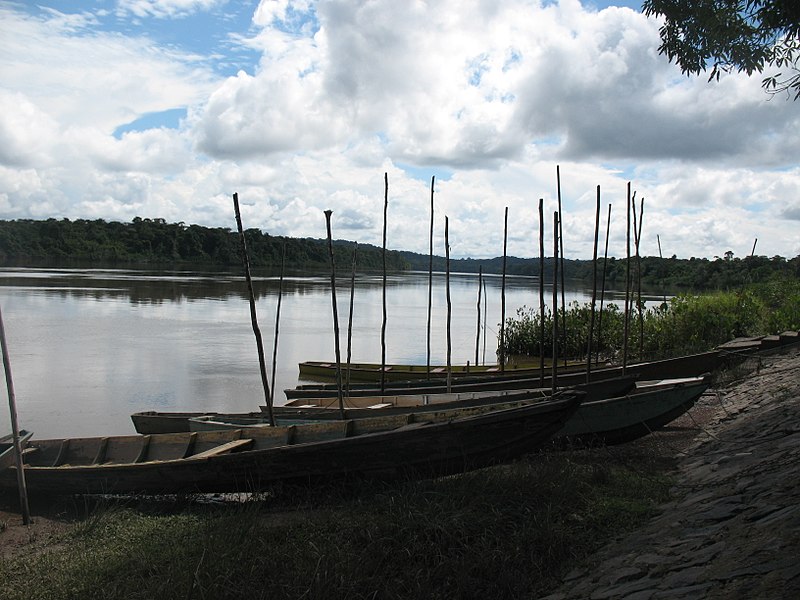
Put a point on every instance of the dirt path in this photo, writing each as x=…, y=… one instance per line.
x=732, y=529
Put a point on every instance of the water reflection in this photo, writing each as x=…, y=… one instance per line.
x=90, y=346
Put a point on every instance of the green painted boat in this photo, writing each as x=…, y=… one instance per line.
x=626, y=418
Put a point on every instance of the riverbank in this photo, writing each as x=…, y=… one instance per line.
x=708, y=504
x=732, y=527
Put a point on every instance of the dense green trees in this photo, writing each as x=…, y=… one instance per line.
x=725, y=35
x=683, y=325
x=154, y=241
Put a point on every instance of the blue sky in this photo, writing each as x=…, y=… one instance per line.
x=164, y=108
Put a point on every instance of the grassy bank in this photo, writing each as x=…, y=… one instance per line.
x=504, y=532
x=684, y=324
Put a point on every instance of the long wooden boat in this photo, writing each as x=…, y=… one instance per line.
x=312, y=369
x=252, y=459
x=626, y=418
x=298, y=411
x=691, y=365
x=7, y=448
x=623, y=417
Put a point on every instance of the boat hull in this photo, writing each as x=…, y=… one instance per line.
x=434, y=444
x=630, y=417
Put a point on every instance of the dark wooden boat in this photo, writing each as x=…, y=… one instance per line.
x=243, y=460
x=372, y=371
x=691, y=365
x=623, y=417
x=7, y=448
x=626, y=418
x=299, y=411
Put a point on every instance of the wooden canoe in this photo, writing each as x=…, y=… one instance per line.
x=691, y=365
x=298, y=411
x=615, y=419
x=243, y=460
x=367, y=372
x=7, y=448
x=626, y=418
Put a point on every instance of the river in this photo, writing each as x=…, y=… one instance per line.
x=88, y=347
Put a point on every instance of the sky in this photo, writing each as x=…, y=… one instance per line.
x=164, y=108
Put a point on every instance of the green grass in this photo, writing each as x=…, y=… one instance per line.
x=504, y=532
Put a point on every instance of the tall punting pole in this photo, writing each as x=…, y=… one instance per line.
x=603, y=286
x=541, y=292
x=478, y=334
x=328, y=214
x=449, y=306
x=253, y=318
x=277, y=325
x=626, y=317
x=594, y=289
x=350, y=319
x=561, y=255
x=430, y=285
x=12, y=405
x=554, y=376
x=383, y=323
x=503, y=297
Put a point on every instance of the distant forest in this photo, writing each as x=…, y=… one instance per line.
x=156, y=242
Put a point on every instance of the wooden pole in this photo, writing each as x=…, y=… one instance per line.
x=383, y=324
x=277, y=325
x=626, y=317
x=449, y=306
x=12, y=405
x=603, y=286
x=478, y=335
x=485, y=313
x=554, y=375
x=561, y=255
x=753, y=251
x=658, y=238
x=350, y=319
x=430, y=284
x=541, y=292
x=253, y=318
x=503, y=297
x=594, y=289
x=639, y=306
x=328, y=214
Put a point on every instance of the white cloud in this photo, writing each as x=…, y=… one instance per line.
x=496, y=93
x=163, y=9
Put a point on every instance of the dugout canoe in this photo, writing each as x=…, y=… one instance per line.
x=252, y=459
x=643, y=408
x=626, y=418
x=298, y=411
x=371, y=372
x=691, y=365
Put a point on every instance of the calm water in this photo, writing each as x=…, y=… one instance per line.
x=90, y=347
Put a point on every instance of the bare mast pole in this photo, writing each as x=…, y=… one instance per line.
x=12, y=405
x=383, y=324
x=328, y=214
x=430, y=285
x=253, y=319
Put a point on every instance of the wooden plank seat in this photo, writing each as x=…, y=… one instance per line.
x=223, y=448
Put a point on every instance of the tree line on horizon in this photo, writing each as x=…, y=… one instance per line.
x=29, y=242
